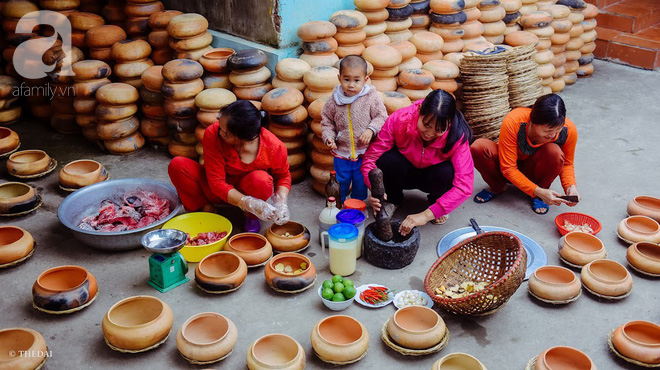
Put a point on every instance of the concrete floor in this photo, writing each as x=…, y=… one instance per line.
x=616, y=112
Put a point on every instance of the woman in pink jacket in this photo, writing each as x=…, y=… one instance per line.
x=425, y=146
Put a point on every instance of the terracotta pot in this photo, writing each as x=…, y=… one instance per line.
x=88, y=88
x=607, y=278
x=90, y=70
x=395, y=100
x=288, y=237
x=206, y=337
x=182, y=70
x=132, y=70
x=316, y=30
x=83, y=172
x=125, y=145
x=194, y=55
x=414, y=95
x=137, y=323
x=554, y=283
x=412, y=63
x=281, y=100
x=458, y=361
x=251, y=78
x=178, y=149
x=339, y=338
x=187, y=25
x=247, y=60
x=581, y=248
x=296, y=116
x=28, y=162
x=162, y=56
x=18, y=9
x=207, y=118
x=184, y=138
x=160, y=20
x=153, y=127
x=159, y=39
x=180, y=108
x=279, y=278
x=117, y=94
x=322, y=78
x=104, y=54
x=142, y=9
x=645, y=257
x=213, y=100
x=83, y=21
x=253, y=248
x=416, y=79
x=183, y=90
x=638, y=340
x=15, y=243
x=320, y=60
x=111, y=113
x=639, y=229
x=63, y=288
x=219, y=81
x=558, y=357
x=215, y=60
x=322, y=159
x=151, y=97
x=275, y=351
x=645, y=206
x=10, y=115
x=192, y=43
x=252, y=92
x=22, y=339
x=416, y=327
x=9, y=140
x=287, y=132
x=220, y=271
x=291, y=69
x=153, y=111
x=294, y=145
x=130, y=50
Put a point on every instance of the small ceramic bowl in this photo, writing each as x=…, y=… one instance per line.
x=645, y=257
x=554, y=283
x=558, y=357
x=581, y=248
x=290, y=272
x=276, y=351
x=339, y=339
x=607, y=278
x=13, y=340
x=16, y=197
x=638, y=340
x=458, y=361
x=416, y=327
x=636, y=229
x=64, y=288
x=292, y=236
x=206, y=337
x=15, y=244
x=9, y=140
x=643, y=205
x=221, y=272
x=253, y=248
x=81, y=173
x=28, y=162
x=335, y=306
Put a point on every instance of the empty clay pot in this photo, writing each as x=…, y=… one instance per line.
x=15, y=243
x=215, y=60
x=137, y=323
x=64, y=288
x=339, y=338
x=9, y=140
x=608, y=278
x=291, y=69
x=28, y=162
x=221, y=271
x=645, y=257
x=581, y=248
x=645, y=206
x=206, y=337
x=214, y=99
x=554, y=283
x=281, y=100
x=16, y=197
x=83, y=172
x=15, y=340
x=288, y=237
x=182, y=70
x=458, y=361
x=638, y=340
x=117, y=94
x=639, y=229
x=296, y=116
x=253, y=248
x=277, y=278
x=416, y=327
x=561, y=357
x=187, y=25
x=125, y=145
x=276, y=351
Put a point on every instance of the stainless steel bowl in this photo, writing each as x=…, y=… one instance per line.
x=164, y=241
x=86, y=201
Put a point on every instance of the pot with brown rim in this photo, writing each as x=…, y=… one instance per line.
x=64, y=288
x=290, y=272
x=28, y=162
x=215, y=60
x=81, y=173
x=16, y=197
x=289, y=237
x=221, y=272
x=253, y=248
x=15, y=244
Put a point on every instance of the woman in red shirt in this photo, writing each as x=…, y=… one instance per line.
x=244, y=165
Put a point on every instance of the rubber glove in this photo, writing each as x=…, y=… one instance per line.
x=281, y=209
x=257, y=207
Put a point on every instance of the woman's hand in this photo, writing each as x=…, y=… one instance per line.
x=549, y=196
x=366, y=136
x=375, y=202
x=281, y=208
x=572, y=190
x=257, y=207
x=417, y=219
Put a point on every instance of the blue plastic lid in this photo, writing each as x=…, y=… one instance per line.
x=350, y=216
x=343, y=231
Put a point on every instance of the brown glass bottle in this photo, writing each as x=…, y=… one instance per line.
x=332, y=189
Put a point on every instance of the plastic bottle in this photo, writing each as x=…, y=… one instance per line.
x=333, y=189
x=328, y=217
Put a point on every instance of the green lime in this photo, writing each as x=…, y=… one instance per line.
x=328, y=284
x=337, y=279
x=338, y=297
x=338, y=288
x=327, y=293
x=349, y=292
x=348, y=282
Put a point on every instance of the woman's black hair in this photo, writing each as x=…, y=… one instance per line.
x=549, y=110
x=441, y=107
x=244, y=120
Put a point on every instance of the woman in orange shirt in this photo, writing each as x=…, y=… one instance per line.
x=535, y=146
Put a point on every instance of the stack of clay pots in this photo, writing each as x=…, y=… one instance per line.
x=12, y=12
x=589, y=37
x=445, y=74
x=447, y=17
x=320, y=81
x=113, y=12
x=394, y=100
x=528, y=6
x=117, y=125
x=10, y=110
x=89, y=76
x=318, y=43
x=415, y=83
x=159, y=38
x=322, y=159
x=420, y=16
x=385, y=60
x=398, y=23
x=39, y=96
x=64, y=116
x=82, y=22
x=132, y=58
x=512, y=8
x=209, y=102
x=428, y=45
x=376, y=15
x=153, y=125
x=491, y=17
x=181, y=85
x=216, y=72
x=249, y=74
x=100, y=39
x=287, y=119
x=408, y=53
x=538, y=23
x=472, y=28
x=189, y=36
x=350, y=32
x=137, y=17
x=562, y=26
x=65, y=7
x=576, y=43
x=290, y=72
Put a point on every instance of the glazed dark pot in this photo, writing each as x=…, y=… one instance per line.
x=247, y=60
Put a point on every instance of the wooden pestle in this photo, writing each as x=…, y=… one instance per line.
x=384, y=228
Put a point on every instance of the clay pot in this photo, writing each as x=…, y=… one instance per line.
x=416, y=327
x=215, y=60
x=275, y=351
x=294, y=281
x=554, y=283
x=645, y=206
x=83, y=172
x=125, y=145
x=63, y=288
x=416, y=79
x=187, y=25
x=130, y=50
x=206, y=337
x=247, y=60
x=10, y=115
x=558, y=357
x=297, y=238
x=9, y=140
x=607, y=278
x=395, y=100
x=645, y=257
x=320, y=60
x=182, y=70
x=152, y=78
x=291, y=69
x=13, y=340
x=221, y=271
x=183, y=90
x=137, y=323
x=638, y=340
x=212, y=100
x=15, y=243
x=339, y=338
x=90, y=70
x=316, y=30
x=639, y=229
x=581, y=248
x=181, y=150
x=194, y=55
x=160, y=20
x=219, y=81
x=28, y=162
x=382, y=56
x=322, y=78
x=111, y=113
x=281, y=100
x=253, y=248
x=250, y=78
x=255, y=93
x=117, y=94
x=458, y=361
x=193, y=43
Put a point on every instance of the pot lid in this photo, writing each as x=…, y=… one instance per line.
x=350, y=216
x=355, y=204
x=343, y=231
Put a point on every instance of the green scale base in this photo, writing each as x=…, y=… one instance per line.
x=167, y=271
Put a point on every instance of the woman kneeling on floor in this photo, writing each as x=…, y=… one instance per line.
x=244, y=165
x=423, y=146
x=536, y=145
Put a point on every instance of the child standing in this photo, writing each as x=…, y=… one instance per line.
x=350, y=119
